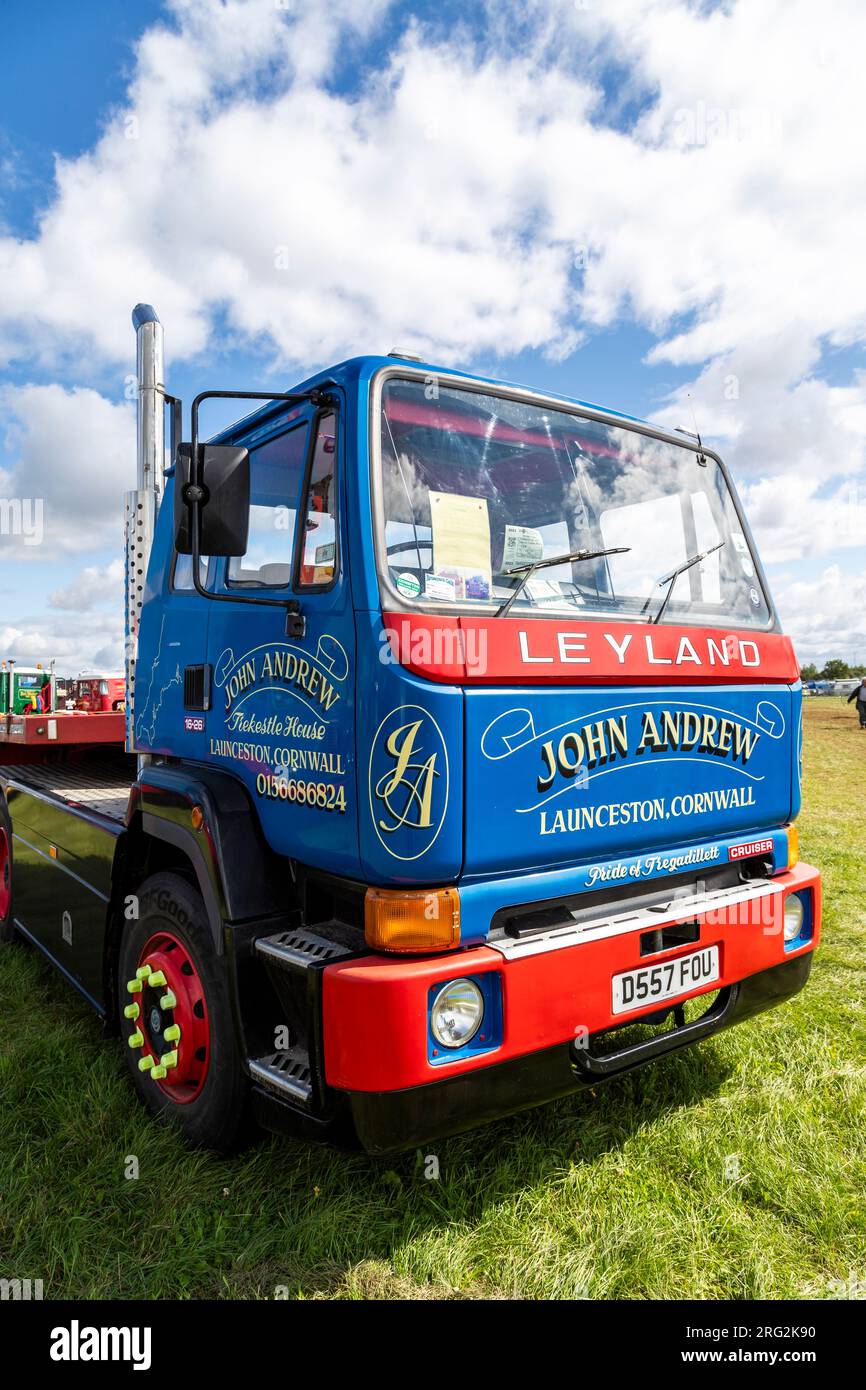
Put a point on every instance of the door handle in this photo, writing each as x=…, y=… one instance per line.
x=296, y=623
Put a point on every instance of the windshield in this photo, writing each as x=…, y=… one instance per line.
x=478, y=488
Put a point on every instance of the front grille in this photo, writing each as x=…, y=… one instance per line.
x=530, y=919
x=562, y=928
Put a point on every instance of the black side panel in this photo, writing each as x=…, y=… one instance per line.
x=62, y=860
x=238, y=875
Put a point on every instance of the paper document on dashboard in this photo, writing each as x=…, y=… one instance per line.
x=461, y=542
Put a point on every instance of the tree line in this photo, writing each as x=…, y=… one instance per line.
x=833, y=670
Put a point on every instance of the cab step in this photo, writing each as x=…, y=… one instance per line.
x=295, y=960
x=287, y=1072
x=300, y=948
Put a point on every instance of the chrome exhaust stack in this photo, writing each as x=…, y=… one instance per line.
x=150, y=371
x=141, y=505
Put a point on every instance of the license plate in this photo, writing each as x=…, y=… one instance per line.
x=636, y=989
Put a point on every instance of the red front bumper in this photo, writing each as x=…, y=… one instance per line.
x=375, y=1008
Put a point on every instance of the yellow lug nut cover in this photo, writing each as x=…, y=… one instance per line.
x=143, y=972
x=168, y=1060
x=159, y=1073
x=157, y=980
x=135, y=986
x=168, y=1000
x=172, y=1034
x=131, y=1011
x=136, y=1039
x=145, y=1063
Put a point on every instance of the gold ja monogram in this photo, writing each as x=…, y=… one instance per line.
x=407, y=790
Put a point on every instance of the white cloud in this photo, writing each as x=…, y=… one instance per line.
x=71, y=454
x=471, y=200
x=826, y=617
x=791, y=522
x=93, y=641
x=90, y=588
x=447, y=198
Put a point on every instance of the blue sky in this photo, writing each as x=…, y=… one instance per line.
x=621, y=201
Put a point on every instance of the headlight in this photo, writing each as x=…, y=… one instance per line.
x=793, y=916
x=457, y=1012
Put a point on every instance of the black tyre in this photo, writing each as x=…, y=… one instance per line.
x=7, y=930
x=184, y=1058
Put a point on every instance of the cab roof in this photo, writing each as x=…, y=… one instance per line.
x=357, y=371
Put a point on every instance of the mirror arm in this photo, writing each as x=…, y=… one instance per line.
x=176, y=405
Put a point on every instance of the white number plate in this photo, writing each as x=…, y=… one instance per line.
x=637, y=989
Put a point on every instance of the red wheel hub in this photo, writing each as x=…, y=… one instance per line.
x=165, y=954
x=5, y=874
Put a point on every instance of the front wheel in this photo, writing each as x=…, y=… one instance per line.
x=176, y=1017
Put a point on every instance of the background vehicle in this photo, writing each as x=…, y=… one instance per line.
x=99, y=692
x=26, y=690
x=465, y=736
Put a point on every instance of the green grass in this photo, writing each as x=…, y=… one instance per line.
x=622, y=1194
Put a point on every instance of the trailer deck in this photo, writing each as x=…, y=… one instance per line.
x=25, y=737
x=98, y=781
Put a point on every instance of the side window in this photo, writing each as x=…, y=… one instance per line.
x=276, y=472
x=182, y=577
x=318, y=563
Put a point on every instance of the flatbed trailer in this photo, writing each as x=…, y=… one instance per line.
x=68, y=816
x=462, y=743
x=27, y=738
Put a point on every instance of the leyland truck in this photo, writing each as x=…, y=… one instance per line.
x=462, y=763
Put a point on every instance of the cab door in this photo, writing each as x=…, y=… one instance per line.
x=282, y=706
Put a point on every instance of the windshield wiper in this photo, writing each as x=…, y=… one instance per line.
x=671, y=579
x=529, y=570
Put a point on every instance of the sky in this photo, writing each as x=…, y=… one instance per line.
x=654, y=205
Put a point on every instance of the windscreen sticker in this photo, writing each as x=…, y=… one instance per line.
x=440, y=586
x=523, y=545
x=545, y=590
x=409, y=585
x=461, y=541
x=742, y=550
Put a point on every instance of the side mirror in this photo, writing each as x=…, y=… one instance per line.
x=225, y=508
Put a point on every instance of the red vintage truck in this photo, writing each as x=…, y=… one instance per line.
x=98, y=693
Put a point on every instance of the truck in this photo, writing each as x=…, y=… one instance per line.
x=27, y=689
x=462, y=762
x=42, y=723
x=98, y=693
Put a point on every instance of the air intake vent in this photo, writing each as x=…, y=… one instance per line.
x=196, y=687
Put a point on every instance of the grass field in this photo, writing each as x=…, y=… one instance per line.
x=735, y=1170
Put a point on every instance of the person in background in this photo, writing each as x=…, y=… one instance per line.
x=859, y=694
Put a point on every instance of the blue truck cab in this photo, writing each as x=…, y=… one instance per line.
x=467, y=760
